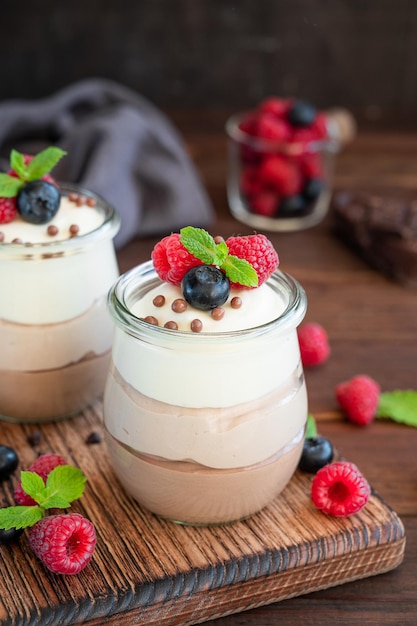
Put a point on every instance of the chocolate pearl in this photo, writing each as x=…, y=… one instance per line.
x=17, y=240
x=74, y=230
x=1, y=237
x=196, y=326
x=93, y=438
x=151, y=320
x=218, y=239
x=73, y=196
x=80, y=200
x=179, y=305
x=171, y=325
x=217, y=313
x=91, y=202
x=236, y=302
x=159, y=301
x=52, y=230
x=34, y=438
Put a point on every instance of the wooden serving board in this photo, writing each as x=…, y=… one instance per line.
x=146, y=571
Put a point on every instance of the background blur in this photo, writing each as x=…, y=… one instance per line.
x=361, y=54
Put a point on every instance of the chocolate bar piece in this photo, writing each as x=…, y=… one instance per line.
x=382, y=229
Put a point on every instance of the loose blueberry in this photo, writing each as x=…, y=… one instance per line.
x=301, y=113
x=38, y=201
x=291, y=206
x=317, y=452
x=7, y=536
x=313, y=189
x=8, y=461
x=205, y=287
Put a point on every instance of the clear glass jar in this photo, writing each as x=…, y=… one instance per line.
x=259, y=170
x=204, y=428
x=55, y=330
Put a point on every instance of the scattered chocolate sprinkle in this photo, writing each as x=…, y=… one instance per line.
x=179, y=305
x=74, y=230
x=52, y=230
x=151, y=320
x=34, y=438
x=196, y=326
x=218, y=239
x=73, y=196
x=1, y=236
x=159, y=301
x=91, y=202
x=236, y=302
x=80, y=200
x=217, y=313
x=171, y=325
x=17, y=240
x=92, y=438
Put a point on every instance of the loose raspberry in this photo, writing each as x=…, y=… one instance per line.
x=340, y=489
x=314, y=344
x=172, y=260
x=8, y=210
x=42, y=466
x=258, y=251
x=359, y=398
x=64, y=543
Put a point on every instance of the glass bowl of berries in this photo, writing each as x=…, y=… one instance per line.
x=281, y=158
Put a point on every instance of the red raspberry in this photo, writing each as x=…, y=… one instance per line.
x=265, y=203
x=42, y=466
x=250, y=183
x=64, y=543
x=8, y=210
x=311, y=165
x=283, y=174
x=258, y=251
x=340, y=489
x=276, y=106
x=172, y=260
x=314, y=344
x=359, y=398
x=273, y=129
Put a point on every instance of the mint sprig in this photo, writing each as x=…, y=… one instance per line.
x=64, y=484
x=311, y=427
x=39, y=166
x=202, y=245
x=399, y=405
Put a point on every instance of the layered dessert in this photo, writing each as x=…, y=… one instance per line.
x=205, y=403
x=56, y=270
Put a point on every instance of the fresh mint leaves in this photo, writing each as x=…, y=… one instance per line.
x=63, y=485
x=311, y=428
x=399, y=405
x=202, y=245
x=39, y=166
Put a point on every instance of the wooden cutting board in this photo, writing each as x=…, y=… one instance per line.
x=158, y=573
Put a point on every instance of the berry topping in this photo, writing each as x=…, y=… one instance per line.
x=8, y=210
x=301, y=113
x=8, y=461
x=340, y=489
x=314, y=344
x=317, y=452
x=64, y=543
x=256, y=250
x=38, y=202
x=172, y=260
x=43, y=466
x=205, y=287
x=359, y=398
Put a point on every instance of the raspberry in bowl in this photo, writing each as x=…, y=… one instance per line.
x=281, y=158
x=205, y=404
x=57, y=263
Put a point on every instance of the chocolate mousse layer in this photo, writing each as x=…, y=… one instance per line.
x=193, y=494
x=46, y=395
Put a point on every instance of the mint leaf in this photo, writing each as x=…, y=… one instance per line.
x=43, y=162
x=311, y=428
x=17, y=163
x=66, y=481
x=400, y=406
x=9, y=186
x=240, y=271
x=199, y=243
x=33, y=485
x=19, y=516
x=55, y=501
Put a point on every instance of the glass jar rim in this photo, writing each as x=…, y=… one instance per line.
x=106, y=230
x=267, y=145
x=127, y=321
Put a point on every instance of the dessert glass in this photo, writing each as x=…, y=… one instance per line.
x=204, y=428
x=253, y=201
x=55, y=330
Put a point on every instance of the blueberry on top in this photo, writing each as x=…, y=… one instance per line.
x=205, y=287
x=302, y=113
x=38, y=201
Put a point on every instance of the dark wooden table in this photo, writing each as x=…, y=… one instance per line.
x=372, y=326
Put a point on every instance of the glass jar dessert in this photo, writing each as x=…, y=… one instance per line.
x=205, y=410
x=55, y=330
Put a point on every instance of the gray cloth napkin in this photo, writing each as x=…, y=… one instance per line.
x=120, y=146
